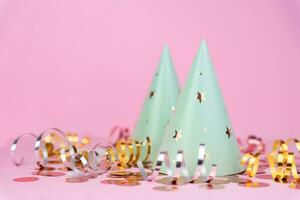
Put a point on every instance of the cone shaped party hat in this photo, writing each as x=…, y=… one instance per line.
x=158, y=104
x=201, y=118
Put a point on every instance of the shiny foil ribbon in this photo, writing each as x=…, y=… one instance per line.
x=54, y=146
x=180, y=166
x=13, y=148
x=281, y=161
x=128, y=152
x=163, y=157
x=201, y=170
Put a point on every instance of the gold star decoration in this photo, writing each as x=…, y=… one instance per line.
x=177, y=135
x=228, y=132
x=151, y=94
x=201, y=97
x=207, y=155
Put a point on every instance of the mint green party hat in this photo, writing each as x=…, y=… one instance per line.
x=201, y=118
x=158, y=104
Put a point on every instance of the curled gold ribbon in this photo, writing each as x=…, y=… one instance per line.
x=281, y=161
x=253, y=163
x=128, y=152
x=148, y=152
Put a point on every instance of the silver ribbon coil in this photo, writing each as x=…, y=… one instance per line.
x=201, y=169
x=163, y=157
x=180, y=167
x=40, y=146
x=142, y=170
x=13, y=148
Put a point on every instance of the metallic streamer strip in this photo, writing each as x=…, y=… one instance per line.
x=142, y=170
x=40, y=146
x=93, y=160
x=253, y=163
x=130, y=150
x=137, y=152
x=212, y=173
x=84, y=162
x=295, y=141
x=94, y=157
x=200, y=169
x=163, y=157
x=13, y=148
x=112, y=155
x=180, y=165
x=148, y=152
x=282, y=163
x=122, y=148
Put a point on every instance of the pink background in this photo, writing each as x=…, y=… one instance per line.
x=86, y=65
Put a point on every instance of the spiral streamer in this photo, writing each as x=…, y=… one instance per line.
x=53, y=146
x=281, y=161
x=180, y=167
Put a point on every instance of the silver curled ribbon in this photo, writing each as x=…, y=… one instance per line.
x=163, y=157
x=13, y=148
x=76, y=170
x=39, y=146
x=180, y=167
x=201, y=169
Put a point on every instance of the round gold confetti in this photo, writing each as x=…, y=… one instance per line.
x=172, y=181
x=121, y=173
x=198, y=181
x=47, y=173
x=54, y=162
x=111, y=181
x=41, y=168
x=111, y=176
x=237, y=179
x=76, y=179
x=218, y=181
x=134, y=178
x=254, y=184
x=212, y=186
x=128, y=183
x=165, y=188
x=64, y=169
x=139, y=174
x=26, y=179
